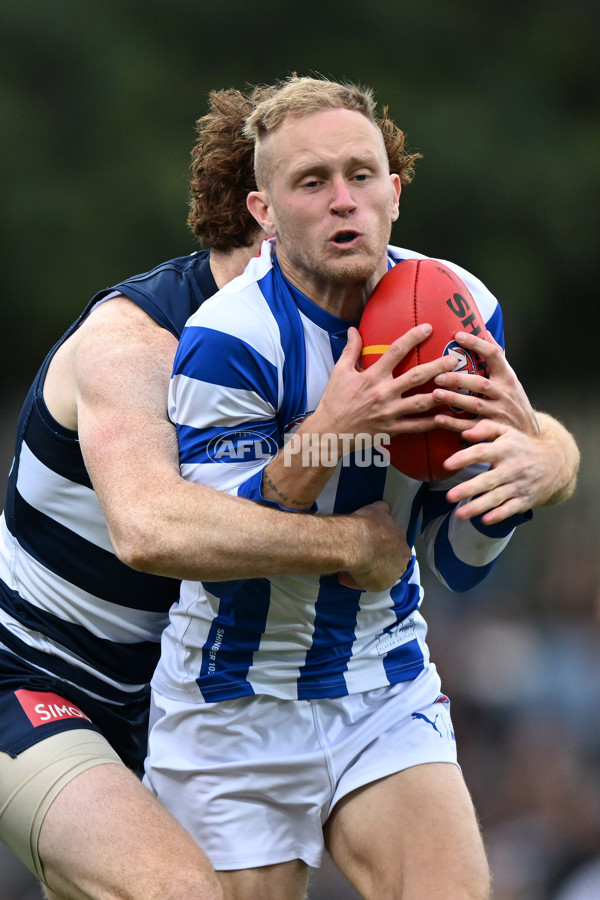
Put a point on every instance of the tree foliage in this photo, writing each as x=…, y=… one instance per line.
x=98, y=102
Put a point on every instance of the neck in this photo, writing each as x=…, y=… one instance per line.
x=228, y=264
x=344, y=299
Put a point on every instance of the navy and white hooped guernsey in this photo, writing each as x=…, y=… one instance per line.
x=251, y=364
x=74, y=620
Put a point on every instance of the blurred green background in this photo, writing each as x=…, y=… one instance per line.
x=98, y=102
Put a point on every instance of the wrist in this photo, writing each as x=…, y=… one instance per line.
x=351, y=540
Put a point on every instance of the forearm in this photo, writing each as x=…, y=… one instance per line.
x=200, y=534
x=565, y=454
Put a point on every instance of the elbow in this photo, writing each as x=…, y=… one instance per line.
x=140, y=558
x=567, y=488
x=139, y=547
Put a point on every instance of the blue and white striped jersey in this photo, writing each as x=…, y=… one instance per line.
x=73, y=618
x=251, y=364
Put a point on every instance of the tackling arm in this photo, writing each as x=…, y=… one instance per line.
x=160, y=523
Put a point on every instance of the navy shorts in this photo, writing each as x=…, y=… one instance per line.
x=34, y=706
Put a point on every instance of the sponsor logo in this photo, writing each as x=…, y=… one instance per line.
x=400, y=635
x=461, y=307
x=445, y=724
x=244, y=448
x=429, y=722
x=295, y=423
x=42, y=707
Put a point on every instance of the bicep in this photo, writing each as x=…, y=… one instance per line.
x=122, y=370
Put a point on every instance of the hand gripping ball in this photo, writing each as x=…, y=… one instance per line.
x=412, y=292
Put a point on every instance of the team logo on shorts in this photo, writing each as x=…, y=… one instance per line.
x=42, y=707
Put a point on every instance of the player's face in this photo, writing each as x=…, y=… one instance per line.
x=331, y=199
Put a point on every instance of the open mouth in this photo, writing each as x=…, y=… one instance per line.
x=345, y=237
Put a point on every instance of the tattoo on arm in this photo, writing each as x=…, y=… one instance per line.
x=283, y=498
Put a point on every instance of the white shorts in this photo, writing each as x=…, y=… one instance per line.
x=254, y=780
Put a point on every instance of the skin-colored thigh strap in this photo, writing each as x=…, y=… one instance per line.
x=30, y=783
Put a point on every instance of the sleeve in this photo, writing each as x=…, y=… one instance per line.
x=224, y=399
x=461, y=553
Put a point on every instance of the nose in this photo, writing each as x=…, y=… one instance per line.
x=342, y=201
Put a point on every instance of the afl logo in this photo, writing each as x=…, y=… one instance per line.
x=244, y=448
x=466, y=363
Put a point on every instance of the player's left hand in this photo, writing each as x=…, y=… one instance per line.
x=528, y=466
x=500, y=398
x=520, y=475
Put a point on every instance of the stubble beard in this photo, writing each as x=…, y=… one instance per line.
x=345, y=268
x=332, y=266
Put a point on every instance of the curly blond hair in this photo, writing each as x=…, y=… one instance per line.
x=223, y=157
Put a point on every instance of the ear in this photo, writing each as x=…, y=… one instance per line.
x=258, y=205
x=396, y=188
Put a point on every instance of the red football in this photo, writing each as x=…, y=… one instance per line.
x=415, y=291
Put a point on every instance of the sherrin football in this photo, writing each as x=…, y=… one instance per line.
x=412, y=292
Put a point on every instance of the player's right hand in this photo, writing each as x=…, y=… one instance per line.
x=383, y=551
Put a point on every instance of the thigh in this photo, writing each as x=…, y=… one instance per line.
x=285, y=881
x=411, y=835
x=31, y=780
x=87, y=828
x=106, y=836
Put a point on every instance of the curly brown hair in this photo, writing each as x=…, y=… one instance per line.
x=401, y=162
x=223, y=163
x=223, y=172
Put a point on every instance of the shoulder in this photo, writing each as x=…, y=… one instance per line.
x=242, y=306
x=180, y=268
x=171, y=291
x=237, y=324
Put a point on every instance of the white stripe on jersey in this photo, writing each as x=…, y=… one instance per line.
x=474, y=552
x=70, y=504
x=329, y=492
x=244, y=321
x=220, y=476
x=319, y=361
x=228, y=409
